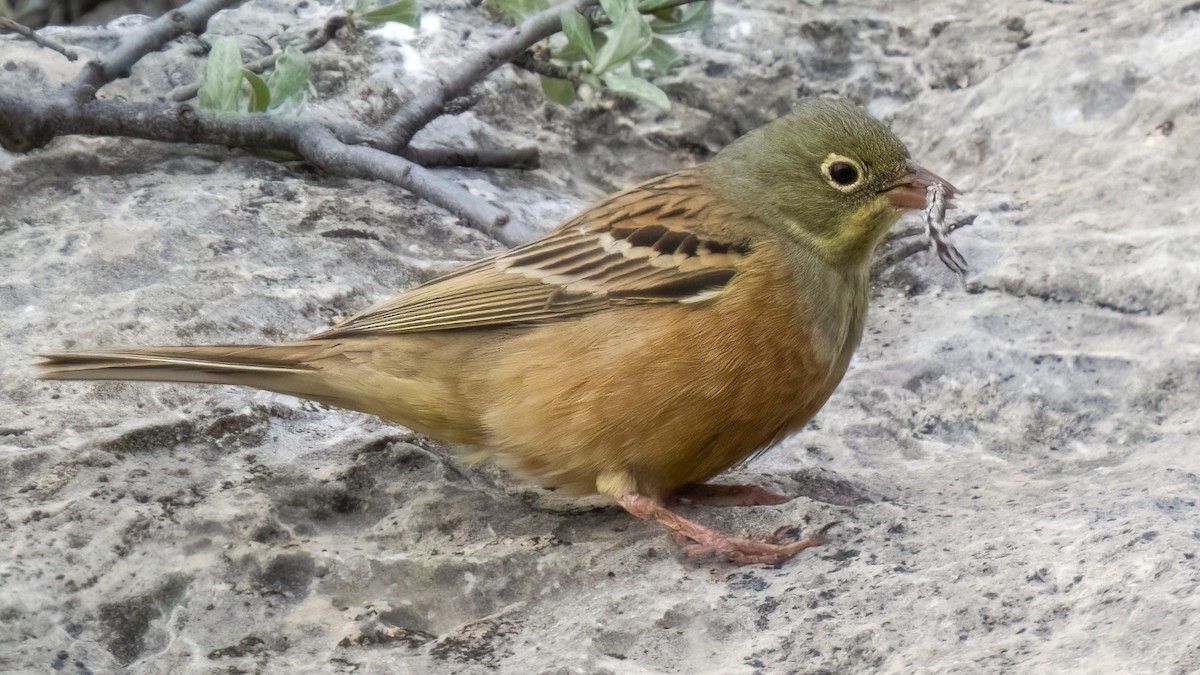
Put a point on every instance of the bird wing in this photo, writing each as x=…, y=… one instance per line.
x=638, y=246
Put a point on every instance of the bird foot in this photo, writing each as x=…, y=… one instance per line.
x=713, y=494
x=706, y=540
x=774, y=550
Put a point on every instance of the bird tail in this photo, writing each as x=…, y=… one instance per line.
x=286, y=368
x=340, y=373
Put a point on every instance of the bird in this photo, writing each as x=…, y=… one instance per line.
x=657, y=338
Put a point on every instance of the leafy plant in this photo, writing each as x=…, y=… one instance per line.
x=623, y=55
x=517, y=10
x=222, y=85
x=230, y=87
x=407, y=12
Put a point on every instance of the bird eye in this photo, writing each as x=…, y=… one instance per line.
x=843, y=173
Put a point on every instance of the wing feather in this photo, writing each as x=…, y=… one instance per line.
x=644, y=245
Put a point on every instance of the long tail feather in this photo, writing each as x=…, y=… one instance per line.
x=254, y=365
x=335, y=372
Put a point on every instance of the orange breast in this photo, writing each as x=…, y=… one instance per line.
x=666, y=394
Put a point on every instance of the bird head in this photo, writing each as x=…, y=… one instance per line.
x=829, y=175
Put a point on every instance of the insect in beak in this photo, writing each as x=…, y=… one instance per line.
x=911, y=192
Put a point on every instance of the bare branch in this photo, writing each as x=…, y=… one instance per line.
x=397, y=131
x=480, y=158
x=28, y=124
x=190, y=18
x=318, y=39
x=318, y=145
x=41, y=41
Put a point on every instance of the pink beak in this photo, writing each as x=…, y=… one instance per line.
x=910, y=194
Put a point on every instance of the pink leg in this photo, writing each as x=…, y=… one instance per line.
x=712, y=494
x=739, y=550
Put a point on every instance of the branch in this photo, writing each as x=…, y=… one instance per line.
x=318, y=145
x=398, y=130
x=319, y=39
x=191, y=18
x=41, y=41
x=538, y=65
x=29, y=124
x=479, y=158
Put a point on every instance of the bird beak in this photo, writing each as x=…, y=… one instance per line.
x=910, y=193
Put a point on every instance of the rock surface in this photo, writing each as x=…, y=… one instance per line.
x=1015, y=463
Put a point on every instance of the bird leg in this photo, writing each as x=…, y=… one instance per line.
x=707, y=540
x=711, y=494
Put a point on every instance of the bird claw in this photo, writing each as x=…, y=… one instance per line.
x=784, y=535
x=790, y=533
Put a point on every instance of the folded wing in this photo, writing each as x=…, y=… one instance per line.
x=639, y=246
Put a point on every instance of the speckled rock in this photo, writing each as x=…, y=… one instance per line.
x=1015, y=461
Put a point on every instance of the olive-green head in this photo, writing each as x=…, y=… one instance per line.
x=829, y=174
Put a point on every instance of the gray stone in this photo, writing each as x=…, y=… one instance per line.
x=1014, y=460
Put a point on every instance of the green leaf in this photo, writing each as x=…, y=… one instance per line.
x=222, y=77
x=628, y=35
x=260, y=94
x=519, y=9
x=682, y=19
x=662, y=56
x=407, y=12
x=636, y=86
x=289, y=82
x=573, y=53
x=652, y=5
x=579, y=33
x=355, y=6
x=561, y=92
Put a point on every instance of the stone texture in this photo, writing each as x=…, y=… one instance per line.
x=1014, y=460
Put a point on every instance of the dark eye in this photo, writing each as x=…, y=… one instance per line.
x=843, y=173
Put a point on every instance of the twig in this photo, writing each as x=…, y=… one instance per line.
x=479, y=158
x=29, y=123
x=192, y=17
x=319, y=39
x=528, y=60
x=318, y=145
x=41, y=41
x=398, y=130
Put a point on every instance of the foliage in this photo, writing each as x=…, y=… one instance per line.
x=229, y=87
x=623, y=55
x=407, y=12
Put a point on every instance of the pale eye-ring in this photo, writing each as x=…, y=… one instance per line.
x=843, y=173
